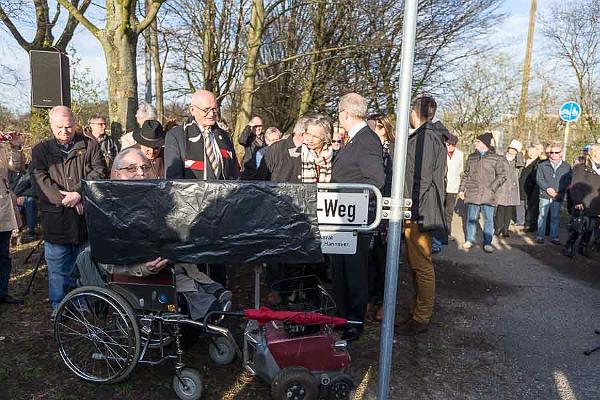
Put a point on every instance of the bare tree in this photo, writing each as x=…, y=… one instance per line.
x=11, y=10
x=119, y=39
x=573, y=28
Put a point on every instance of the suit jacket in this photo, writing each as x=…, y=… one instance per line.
x=176, y=153
x=360, y=160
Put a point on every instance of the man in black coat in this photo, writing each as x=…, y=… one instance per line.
x=359, y=161
x=425, y=184
x=201, y=150
x=282, y=161
x=58, y=165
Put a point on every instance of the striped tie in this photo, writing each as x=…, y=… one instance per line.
x=210, y=153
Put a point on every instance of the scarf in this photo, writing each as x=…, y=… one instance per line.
x=315, y=168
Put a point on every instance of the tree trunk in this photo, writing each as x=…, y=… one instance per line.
x=120, y=56
x=158, y=71
x=255, y=33
x=209, y=66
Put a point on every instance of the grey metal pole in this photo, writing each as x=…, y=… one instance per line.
x=395, y=227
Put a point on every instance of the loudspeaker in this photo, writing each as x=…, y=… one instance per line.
x=50, y=79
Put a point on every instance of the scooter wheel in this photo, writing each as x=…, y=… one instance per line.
x=341, y=388
x=294, y=383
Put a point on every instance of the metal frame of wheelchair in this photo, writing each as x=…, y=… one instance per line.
x=103, y=333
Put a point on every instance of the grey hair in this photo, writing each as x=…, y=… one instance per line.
x=322, y=121
x=118, y=162
x=96, y=118
x=354, y=104
x=146, y=111
x=58, y=110
x=300, y=126
x=273, y=130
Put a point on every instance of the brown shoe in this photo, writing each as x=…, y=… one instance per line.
x=413, y=328
x=400, y=323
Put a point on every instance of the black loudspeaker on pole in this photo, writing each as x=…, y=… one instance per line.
x=50, y=79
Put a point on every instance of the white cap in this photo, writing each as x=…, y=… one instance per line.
x=515, y=144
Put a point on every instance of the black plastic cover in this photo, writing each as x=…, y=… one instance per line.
x=202, y=222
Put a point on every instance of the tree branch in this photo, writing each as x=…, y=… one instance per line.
x=81, y=18
x=144, y=23
x=72, y=23
x=14, y=31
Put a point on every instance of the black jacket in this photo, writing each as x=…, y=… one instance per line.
x=425, y=177
x=281, y=163
x=176, y=153
x=585, y=189
x=528, y=188
x=53, y=171
x=251, y=146
x=360, y=160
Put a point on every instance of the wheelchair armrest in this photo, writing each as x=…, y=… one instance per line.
x=166, y=276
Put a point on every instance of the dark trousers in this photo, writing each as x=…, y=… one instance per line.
x=5, y=265
x=449, y=205
x=376, y=269
x=504, y=214
x=532, y=211
x=216, y=272
x=350, y=280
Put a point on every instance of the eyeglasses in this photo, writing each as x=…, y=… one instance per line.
x=336, y=141
x=554, y=152
x=132, y=169
x=208, y=110
x=98, y=123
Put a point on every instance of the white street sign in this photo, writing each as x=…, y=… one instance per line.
x=338, y=242
x=336, y=208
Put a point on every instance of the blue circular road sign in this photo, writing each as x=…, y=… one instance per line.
x=569, y=111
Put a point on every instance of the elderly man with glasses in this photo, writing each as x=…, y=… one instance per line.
x=201, y=150
x=96, y=130
x=553, y=178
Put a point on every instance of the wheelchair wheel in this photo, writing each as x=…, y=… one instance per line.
x=188, y=385
x=221, y=351
x=97, y=334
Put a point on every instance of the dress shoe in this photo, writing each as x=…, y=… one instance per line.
x=569, y=250
x=8, y=299
x=379, y=314
x=413, y=328
x=555, y=241
x=352, y=334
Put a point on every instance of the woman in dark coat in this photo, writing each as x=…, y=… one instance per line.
x=508, y=196
x=585, y=194
x=529, y=190
x=382, y=125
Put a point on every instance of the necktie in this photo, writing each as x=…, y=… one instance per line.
x=211, y=153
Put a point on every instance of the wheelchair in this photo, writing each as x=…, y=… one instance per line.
x=103, y=333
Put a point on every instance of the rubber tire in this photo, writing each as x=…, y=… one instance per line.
x=221, y=351
x=343, y=380
x=127, y=310
x=189, y=375
x=294, y=375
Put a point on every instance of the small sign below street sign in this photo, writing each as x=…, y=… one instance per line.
x=338, y=242
x=570, y=111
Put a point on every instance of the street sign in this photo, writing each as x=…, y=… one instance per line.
x=335, y=208
x=338, y=242
x=569, y=111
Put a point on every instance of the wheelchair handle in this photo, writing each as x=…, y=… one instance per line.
x=225, y=313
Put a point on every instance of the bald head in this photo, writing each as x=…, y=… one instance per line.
x=62, y=124
x=204, y=108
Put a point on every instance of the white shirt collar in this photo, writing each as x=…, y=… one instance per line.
x=352, y=132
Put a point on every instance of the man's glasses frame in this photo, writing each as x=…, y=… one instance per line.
x=132, y=169
x=207, y=110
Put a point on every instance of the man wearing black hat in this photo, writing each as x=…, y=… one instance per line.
x=485, y=172
x=151, y=139
x=201, y=150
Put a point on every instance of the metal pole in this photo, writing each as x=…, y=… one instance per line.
x=566, y=141
x=395, y=227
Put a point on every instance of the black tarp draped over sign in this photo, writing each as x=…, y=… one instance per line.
x=202, y=222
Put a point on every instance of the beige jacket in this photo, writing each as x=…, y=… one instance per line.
x=10, y=159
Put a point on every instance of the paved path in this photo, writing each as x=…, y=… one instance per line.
x=508, y=325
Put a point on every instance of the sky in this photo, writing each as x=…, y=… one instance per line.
x=511, y=35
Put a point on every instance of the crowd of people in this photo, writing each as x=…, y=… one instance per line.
x=509, y=189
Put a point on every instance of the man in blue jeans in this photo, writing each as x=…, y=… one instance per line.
x=58, y=165
x=553, y=178
x=484, y=173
